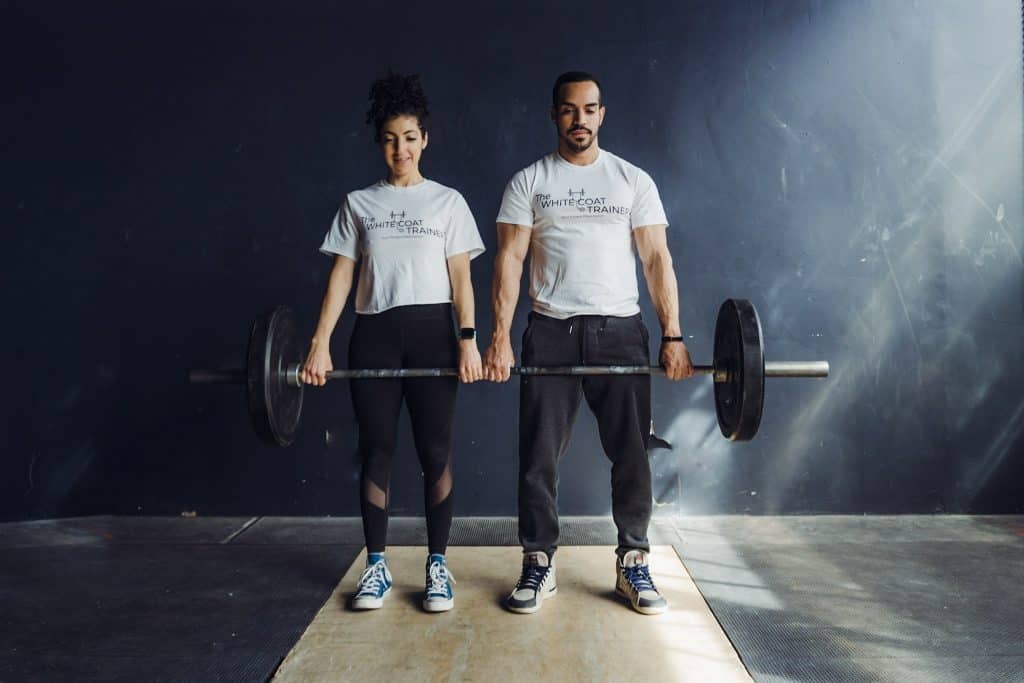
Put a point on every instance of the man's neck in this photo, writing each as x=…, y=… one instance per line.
x=584, y=158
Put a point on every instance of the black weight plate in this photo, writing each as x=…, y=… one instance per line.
x=739, y=350
x=274, y=405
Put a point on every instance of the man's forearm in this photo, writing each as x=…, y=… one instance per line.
x=661, y=282
x=508, y=273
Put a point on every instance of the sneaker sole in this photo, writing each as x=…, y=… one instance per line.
x=438, y=605
x=369, y=603
x=639, y=608
x=530, y=610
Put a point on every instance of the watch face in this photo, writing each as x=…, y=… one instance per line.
x=467, y=333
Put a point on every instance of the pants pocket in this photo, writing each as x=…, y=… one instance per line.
x=527, y=349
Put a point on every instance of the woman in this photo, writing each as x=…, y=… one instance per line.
x=415, y=238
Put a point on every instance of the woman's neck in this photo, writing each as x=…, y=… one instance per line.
x=407, y=180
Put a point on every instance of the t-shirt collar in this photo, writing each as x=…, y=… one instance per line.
x=408, y=188
x=593, y=164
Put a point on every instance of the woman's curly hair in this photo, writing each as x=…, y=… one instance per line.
x=397, y=95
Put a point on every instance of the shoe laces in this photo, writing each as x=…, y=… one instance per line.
x=373, y=578
x=639, y=576
x=438, y=577
x=531, y=578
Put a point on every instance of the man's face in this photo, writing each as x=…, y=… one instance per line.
x=578, y=115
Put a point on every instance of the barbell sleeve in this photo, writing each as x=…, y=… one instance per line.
x=796, y=368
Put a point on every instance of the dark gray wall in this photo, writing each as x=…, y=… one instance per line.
x=855, y=168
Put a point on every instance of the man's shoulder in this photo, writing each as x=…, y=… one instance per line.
x=530, y=171
x=627, y=168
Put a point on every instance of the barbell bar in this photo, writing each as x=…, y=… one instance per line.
x=813, y=368
x=275, y=390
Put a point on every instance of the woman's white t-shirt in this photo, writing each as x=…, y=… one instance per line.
x=403, y=236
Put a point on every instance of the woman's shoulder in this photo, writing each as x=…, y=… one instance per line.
x=364, y=192
x=443, y=193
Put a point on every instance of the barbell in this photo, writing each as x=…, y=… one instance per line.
x=274, y=388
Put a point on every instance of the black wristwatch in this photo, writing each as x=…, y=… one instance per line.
x=665, y=340
x=467, y=333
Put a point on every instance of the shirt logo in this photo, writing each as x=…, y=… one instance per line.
x=581, y=201
x=395, y=224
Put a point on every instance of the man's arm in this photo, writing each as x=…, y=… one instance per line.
x=513, y=245
x=652, y=247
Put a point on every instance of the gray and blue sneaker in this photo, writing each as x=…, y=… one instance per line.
x=438, y=596
x=374, y=583
x=634, y=583
x=535, y=584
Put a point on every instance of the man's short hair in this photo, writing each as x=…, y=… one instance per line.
x=573, y=77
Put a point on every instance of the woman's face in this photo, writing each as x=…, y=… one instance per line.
x=402, y=143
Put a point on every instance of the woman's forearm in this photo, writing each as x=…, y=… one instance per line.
x=462, y=290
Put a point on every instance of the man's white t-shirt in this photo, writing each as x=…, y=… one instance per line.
x=581, y=249
x=404, y=236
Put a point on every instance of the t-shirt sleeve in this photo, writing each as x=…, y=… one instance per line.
x=463, y=235
x=515, y=203
x=343, y=236
x=647, y=208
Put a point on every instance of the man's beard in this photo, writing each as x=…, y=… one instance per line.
x=581, y=146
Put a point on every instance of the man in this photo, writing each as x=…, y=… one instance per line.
x=579, y=212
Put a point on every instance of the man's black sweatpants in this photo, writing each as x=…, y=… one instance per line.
x=547, y=410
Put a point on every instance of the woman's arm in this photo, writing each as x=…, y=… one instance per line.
x=470, y=367
x=318, y=362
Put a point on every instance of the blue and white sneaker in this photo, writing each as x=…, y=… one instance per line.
x=535, y=584
x=438, y=596
x=634, y=583
x=374, y=583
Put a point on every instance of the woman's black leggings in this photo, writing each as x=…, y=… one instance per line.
x=420, y=336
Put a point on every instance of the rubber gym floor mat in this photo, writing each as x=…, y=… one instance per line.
x=813, y=599
x=105, y=529
x=583, y=633
x=158, y=611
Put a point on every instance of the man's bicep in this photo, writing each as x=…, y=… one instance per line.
x=514, y=240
